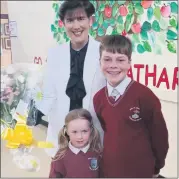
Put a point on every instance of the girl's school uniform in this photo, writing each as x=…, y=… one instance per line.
x=135, y=132
x=77, y=163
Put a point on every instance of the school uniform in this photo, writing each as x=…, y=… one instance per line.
x=71, y=80
x=77, y=163
x=135, y=132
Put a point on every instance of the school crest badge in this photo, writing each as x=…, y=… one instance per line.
x=135, y=114
x=93, y=163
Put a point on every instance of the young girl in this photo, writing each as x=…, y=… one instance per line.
x=80, y=148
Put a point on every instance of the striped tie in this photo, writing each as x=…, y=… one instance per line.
x=114, y=93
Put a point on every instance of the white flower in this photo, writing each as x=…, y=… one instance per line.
x=21, y=78
x=13, y=111
x=10, y=70
x=3, y=86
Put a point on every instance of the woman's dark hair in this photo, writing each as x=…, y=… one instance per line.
x=70, y=5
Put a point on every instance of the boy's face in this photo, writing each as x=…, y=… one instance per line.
x=114, y=66
x=77, y=25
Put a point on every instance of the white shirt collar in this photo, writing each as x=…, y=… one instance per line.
x=77, y=150
x=121, y=87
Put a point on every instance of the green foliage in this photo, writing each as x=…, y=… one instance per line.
x=151, y=20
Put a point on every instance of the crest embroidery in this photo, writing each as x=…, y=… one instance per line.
x=93, y=163
x=135, y=116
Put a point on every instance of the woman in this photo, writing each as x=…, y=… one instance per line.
x=73, y=74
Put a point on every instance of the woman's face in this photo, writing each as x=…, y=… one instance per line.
x=77, y=25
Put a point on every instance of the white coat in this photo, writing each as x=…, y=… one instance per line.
x=55, y=103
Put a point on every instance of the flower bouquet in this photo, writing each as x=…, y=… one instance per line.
x=20, y=89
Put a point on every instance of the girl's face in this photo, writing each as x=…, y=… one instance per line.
x=79, y=132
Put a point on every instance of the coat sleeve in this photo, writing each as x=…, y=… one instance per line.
x=98, y=83
x=57, y=169
x=48, y=91
x=158, y=132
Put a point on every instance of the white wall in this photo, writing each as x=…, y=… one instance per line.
x=34, y=38
x=33, y=26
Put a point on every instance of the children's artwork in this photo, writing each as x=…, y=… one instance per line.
x=151, y=25
x=6, y=29
x=13, y=28
x=7, y=43
x=1, y=51
x=2, y=29
x=2, y=43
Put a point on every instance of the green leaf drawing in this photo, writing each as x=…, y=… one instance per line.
x=174, y=7
x=144, y=35
x=147, y=46
x=129, y=22
x=155, y=26
x=139, y=9
x=120, y=28
x=121, y=2
x=173, y=22
x=93, y=33
x=95, y=25
x=136, y=38
x=102, y=7
x=96, y=16
x=114, y=31
x=100, y=19
x=100, y=31
x=105, y=24
x=53, y=28
x=157, y=13
x=114, y=10
x=56, y=22
x=146, y=26
x=171, y=35
x=130, y=8
x=140, y=48
x=55, y=35
x=112, y=22
x=120, y=19
x=111, y=3
x=171, y=47
x=150, y=13
x=55, y=7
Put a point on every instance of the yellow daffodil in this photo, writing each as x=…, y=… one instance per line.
x=22, y=135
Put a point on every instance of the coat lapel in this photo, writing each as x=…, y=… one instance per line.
x=90, y=65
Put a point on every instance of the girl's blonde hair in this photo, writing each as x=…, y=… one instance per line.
x=63, y=138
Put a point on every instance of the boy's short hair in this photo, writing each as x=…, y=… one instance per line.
x=74, y=4
x=116, y=43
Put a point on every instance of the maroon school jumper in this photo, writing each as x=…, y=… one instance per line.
x=81, y=165
x=136, y=136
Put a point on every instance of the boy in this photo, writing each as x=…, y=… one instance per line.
x=135, y=132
